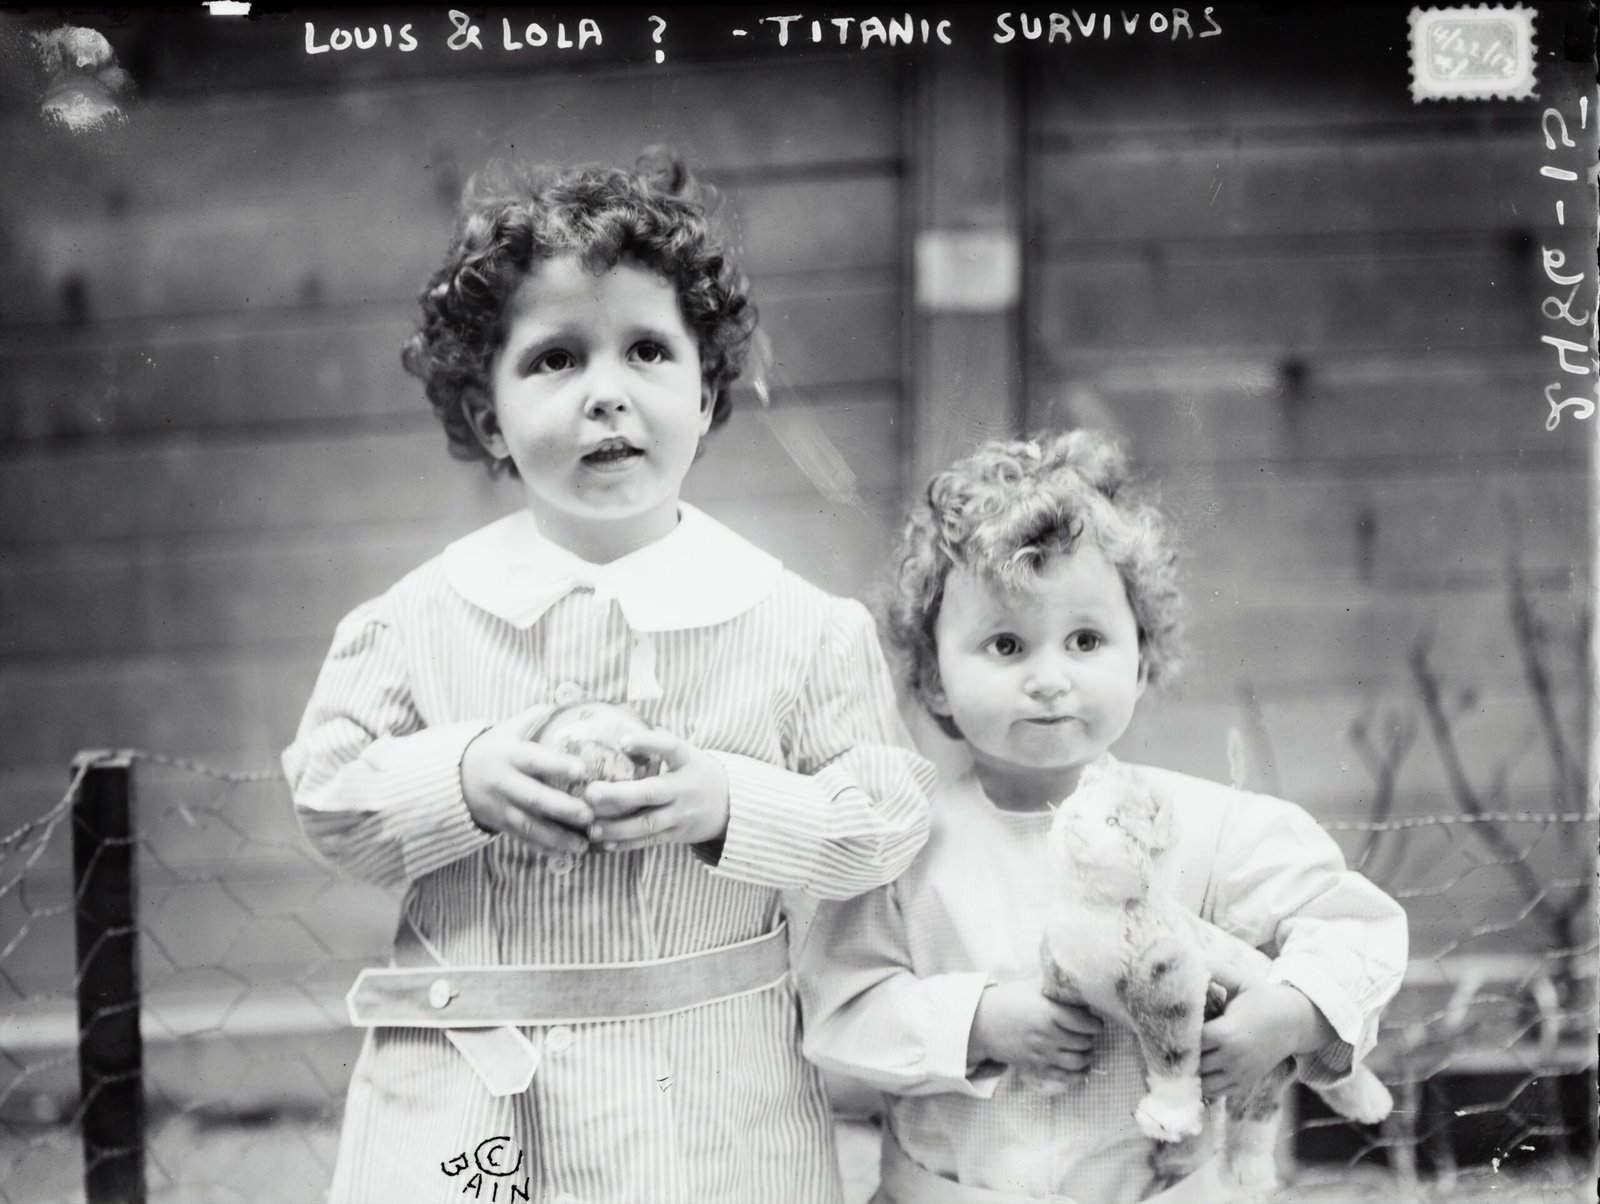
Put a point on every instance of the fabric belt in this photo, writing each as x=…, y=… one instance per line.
x=444, y=996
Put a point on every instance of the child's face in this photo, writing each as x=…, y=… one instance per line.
x=1042, y=681
x=599, y=401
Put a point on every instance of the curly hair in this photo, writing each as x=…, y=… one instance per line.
x=514, y=216
x=1002, y=512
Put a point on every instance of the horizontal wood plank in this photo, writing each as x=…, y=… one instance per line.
x=268, y=252
x=154, y=596
x=1264, y=525
x=313, y=364
x=1349, y=641
x=1307, y=754
x=288, y=593
x=254, y=486
x=1299, y=636
x=1176, y=409
x=1460, y=182
x=1286, y=299
x=165, y=704
x=181, y=704
x=1247, y=531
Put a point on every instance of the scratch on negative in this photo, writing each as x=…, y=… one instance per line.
x=800, y=435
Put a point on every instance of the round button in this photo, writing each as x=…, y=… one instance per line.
x=558, y=1039
x=563, y=864
x=440, y=993
x=568, y=692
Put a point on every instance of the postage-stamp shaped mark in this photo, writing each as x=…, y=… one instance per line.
x=1474, y=52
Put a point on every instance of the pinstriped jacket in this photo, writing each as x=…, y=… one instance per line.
x=707, y=637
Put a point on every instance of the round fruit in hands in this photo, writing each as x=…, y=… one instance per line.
x=594, y=733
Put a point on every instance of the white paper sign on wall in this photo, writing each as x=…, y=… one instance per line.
x=968, y=271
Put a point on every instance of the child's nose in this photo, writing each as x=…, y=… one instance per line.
x=1048, y=678
x=605, y=391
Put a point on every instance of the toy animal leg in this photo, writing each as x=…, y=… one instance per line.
x=1056, y=983
x=1164, y=1000
x=1361, y=1097
x=1252, y=1137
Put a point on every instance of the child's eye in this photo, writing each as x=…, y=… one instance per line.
x=553, y=361
x=1084, y=641
x=1004, y=645
x=650, y=353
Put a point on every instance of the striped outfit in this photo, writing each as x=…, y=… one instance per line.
x=708, y=638
x=890, y=983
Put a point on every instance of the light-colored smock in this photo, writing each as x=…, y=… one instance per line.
x=713, y=640
x=890, y=980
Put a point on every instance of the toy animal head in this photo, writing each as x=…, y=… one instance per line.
x=593, y=732
x=1107, y=834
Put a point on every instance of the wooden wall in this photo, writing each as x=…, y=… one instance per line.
x=1312, y=307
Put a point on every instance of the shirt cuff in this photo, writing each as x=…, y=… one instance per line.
x=953, y=998
x=427, y=813
x=1334, y=1061
x=775, y=824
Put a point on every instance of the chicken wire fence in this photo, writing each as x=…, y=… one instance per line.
x=173, y=958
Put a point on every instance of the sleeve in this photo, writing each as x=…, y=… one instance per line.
x=869, y=1016
x=1338, y=938
x=375, y=789
x=854, y=810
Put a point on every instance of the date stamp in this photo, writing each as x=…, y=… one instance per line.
x=1472, y=52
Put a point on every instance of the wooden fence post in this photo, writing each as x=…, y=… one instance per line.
x=110, y=1048
x=966, y=216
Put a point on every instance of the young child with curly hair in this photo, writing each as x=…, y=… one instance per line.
x=589, y=996
x=1036, y=603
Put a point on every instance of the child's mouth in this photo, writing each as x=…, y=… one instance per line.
x=611, y=455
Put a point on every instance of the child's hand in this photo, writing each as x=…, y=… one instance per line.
x=516, y=786
x=1018, y=1025
x=1261, y=1027
x=687, y=804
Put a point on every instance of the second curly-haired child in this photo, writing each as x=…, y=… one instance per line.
x=1036, y=602
x=589, y=996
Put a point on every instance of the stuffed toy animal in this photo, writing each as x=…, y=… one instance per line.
x=593, y=732
x=1136, y=956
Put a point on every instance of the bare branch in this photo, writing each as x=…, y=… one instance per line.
x=1439, y=724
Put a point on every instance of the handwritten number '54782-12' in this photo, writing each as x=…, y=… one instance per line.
x=1566, y=309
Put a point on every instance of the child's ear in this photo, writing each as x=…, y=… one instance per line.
x=485, y=425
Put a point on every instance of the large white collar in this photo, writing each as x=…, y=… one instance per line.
x=698, y=574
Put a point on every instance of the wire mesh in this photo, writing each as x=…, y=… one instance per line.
x=248, y=941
